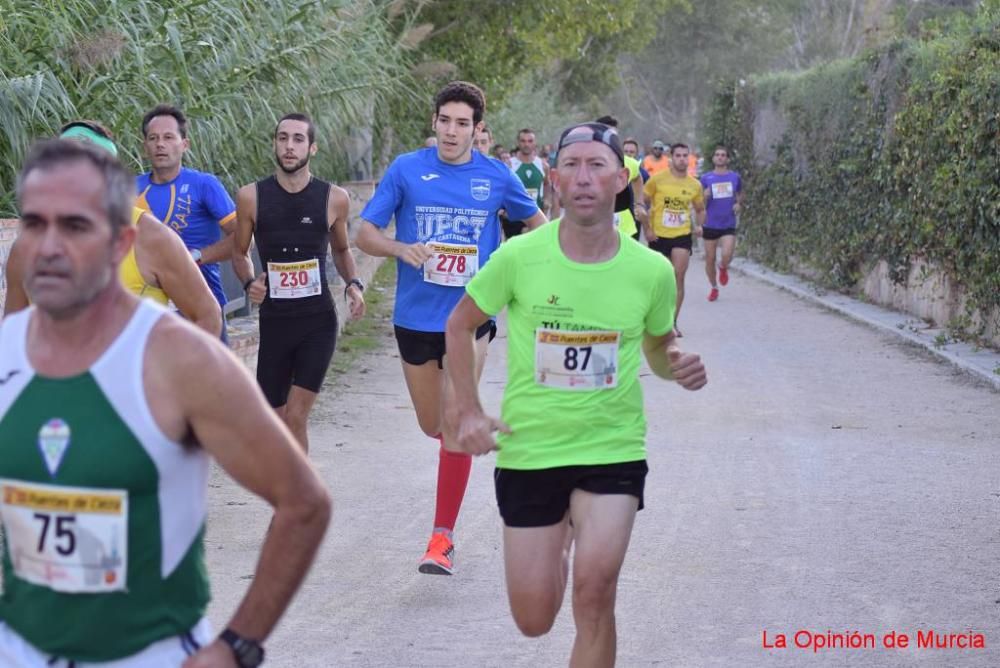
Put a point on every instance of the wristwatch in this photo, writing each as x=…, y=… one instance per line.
x=196, y=255
x=248, y=653
x=354, y=281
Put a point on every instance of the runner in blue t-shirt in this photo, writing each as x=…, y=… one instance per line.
x=192, y=203
x=723, y=198
x=445, y=202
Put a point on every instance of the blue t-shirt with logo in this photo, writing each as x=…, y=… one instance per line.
x=434, y=201
x=196, y=206
x=722, y=190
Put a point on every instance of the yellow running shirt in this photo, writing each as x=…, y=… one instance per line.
x=672, y=198
x=132, y=278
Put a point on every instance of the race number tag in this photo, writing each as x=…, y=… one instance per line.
x=722, y=190
x=576, y=360
x=674, y=219
x=532, y=193
x=451, y=264
x=294, y=280
x=69, y=539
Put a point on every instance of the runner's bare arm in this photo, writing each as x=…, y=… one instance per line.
x=161, y=253
x=246, y=221
x=641, y=212
x=221, y=250
x=668, y=362
x=473, y=429
x=536, y=220
x=647, y=225
x=16, y=298
x=373, y=241
x=699, y=212
x=207, y=392
x=338, y=210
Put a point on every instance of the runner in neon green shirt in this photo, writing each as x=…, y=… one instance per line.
x=581, y=298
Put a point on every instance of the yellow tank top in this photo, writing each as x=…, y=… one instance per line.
x=132, y=278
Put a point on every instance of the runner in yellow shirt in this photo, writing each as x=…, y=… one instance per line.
x=670, y=195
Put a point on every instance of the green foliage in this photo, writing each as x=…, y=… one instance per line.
x=566, y=48
x=535, y=105
x=233, y=66
x=892, y=155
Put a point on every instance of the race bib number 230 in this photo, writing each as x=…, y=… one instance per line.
x=294, y=280
x=69, y=539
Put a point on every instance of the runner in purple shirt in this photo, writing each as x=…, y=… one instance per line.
x=723, y=198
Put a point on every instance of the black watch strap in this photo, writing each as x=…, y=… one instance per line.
x=247, y=284
x=248, y=653
x=354, y=281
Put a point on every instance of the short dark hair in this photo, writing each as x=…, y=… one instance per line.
x=631, y=140
x=525, y=131
x=608, y=120
x=166, y=110
x=298, y=116
x=119, y=183
x=721, y=146
x=87, y=123
x=462, y=91
x=674, y=147
x=487, y=130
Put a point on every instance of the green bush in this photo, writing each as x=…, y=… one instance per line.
x=893, y=155
x=233, y=66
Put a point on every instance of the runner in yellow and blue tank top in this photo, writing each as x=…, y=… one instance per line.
x=445, y=202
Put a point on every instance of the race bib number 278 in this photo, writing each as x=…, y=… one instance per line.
x=451, y=264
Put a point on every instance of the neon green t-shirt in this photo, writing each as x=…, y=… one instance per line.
x=574, y=340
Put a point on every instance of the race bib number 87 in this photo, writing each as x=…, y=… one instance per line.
x=576, y=360
x=69, y=539
x=451, y=264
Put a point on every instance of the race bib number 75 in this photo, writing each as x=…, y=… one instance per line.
x=69, y=539
x=576, y=360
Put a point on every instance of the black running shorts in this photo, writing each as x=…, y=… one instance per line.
x=418, y=348
x=512, y=228
x=295, y=351
x=712, y=233
x=665, y=245
x=540, y=498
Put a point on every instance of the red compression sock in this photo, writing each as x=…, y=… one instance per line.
x=453, y=477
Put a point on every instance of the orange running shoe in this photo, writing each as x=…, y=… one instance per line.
x=438, y=559
x=724, y=275
x=713, y=295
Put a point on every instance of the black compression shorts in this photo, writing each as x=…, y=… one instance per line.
x=295, y=351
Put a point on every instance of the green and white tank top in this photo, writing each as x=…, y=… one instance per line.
x=103, y=515
x=532, y=175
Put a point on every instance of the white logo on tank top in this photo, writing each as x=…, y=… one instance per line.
x=53, y=439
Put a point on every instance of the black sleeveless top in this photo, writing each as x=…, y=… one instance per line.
x=293, y=227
